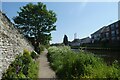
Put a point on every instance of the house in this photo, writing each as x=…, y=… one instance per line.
x=96, y=36
x=115, y=31
x=75, y=42
x=109, y=34
x=85, y=40
x=78, y=42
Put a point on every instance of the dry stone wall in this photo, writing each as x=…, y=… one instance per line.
x=11, y=43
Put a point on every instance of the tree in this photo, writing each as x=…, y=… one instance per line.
x=34, y=20
x=65, y=40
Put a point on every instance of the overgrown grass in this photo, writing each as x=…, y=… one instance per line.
x=23, y=67
x=70, y=65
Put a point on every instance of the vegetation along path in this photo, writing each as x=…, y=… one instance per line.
x=44, y=69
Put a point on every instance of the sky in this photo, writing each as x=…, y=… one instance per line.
x=82, y=18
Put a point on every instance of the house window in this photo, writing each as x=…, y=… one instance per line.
x=99, y=35
x=107, y=35
x=113, y=33
x=95, y=36
x=107, y=29
x=92, y=37
x=117, y=32
x=112, y=27
x=116, y=25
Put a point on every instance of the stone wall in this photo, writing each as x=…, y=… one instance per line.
x=11, y=43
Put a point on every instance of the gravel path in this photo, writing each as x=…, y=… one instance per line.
x=44, y=69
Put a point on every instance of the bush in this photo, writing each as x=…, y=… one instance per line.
x=34, y=55
x=22, y=67
x=47, y=46
x=33, y=70
x=41, y=47
x=68, y=64
x=26, y=52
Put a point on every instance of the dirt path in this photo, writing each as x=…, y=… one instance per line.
x=44, y=69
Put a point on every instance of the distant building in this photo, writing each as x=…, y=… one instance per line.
x=96, y=36
x=110, y=34
x=114, y=31
x=78, y=42
x=85, y=40
x=75, y=42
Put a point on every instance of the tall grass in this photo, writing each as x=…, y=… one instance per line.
x=71, y=65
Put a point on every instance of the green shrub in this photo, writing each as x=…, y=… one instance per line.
x=41, y=48
x=26, y=52
x=33, y=70
x=47, y=46
x=22, y=67
x=71, y=65
x=34, y=55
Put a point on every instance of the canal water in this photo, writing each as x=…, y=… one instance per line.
x=108, y=56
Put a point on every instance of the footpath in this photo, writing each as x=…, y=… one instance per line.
x=44, y=69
